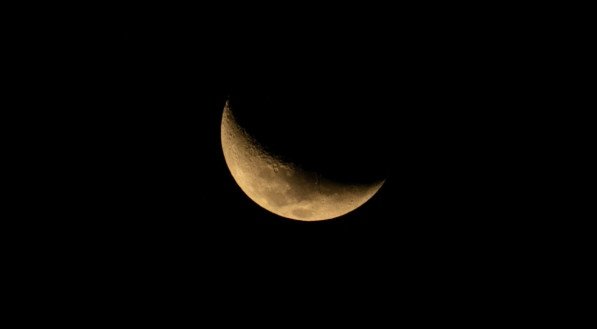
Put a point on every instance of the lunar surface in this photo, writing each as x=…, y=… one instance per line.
x=285, y=188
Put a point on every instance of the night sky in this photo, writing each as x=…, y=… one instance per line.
x=410, y=95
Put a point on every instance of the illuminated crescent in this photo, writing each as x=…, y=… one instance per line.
x=282, y=187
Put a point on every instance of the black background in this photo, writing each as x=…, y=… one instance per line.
x=420, y=94
x=133, y=205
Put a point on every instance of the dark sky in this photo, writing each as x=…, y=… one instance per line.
x=419, y=91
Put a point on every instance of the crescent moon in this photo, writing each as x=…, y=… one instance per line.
x=284, y=188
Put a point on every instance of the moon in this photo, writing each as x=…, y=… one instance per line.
x=282, y=187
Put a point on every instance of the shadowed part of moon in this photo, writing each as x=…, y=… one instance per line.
x=284, y=188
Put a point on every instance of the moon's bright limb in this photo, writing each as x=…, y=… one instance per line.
x=284, y=188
